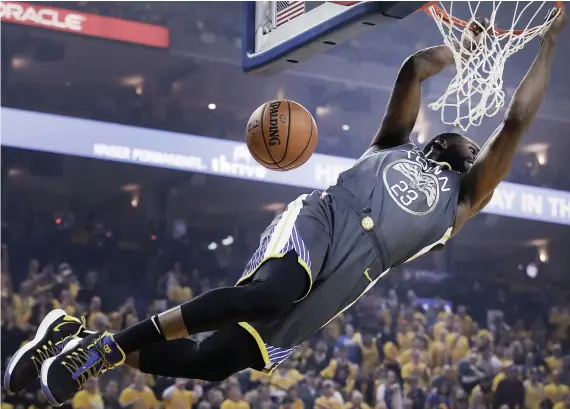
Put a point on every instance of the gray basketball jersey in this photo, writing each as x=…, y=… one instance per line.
x=412, y=200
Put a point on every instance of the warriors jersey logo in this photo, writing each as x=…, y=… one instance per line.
x=413, y=190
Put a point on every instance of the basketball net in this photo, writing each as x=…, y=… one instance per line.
x=476, y=91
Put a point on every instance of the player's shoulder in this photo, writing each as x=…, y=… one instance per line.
x=376, y=148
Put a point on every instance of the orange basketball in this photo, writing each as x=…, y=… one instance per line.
x=281, y=135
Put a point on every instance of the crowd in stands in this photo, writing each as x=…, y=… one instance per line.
x=392, y=350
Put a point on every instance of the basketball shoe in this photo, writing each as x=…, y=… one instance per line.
x=55, y=330
x=81, y=359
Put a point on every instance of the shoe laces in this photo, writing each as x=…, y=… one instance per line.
x=75, y=361
x=43, y=353
x=50, y=349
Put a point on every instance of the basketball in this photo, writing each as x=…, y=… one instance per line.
x=281, y=135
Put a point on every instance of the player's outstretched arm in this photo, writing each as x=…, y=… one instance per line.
x=404, y=104
x=494, y=160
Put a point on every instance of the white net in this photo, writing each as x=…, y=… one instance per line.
x=476, y=91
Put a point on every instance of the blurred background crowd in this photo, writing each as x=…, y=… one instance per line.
x=484, y=324
x=408, y=344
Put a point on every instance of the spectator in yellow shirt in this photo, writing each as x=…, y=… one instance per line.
x=404, y=336
x=419, y=345
x=533, y=390
x=444, y=323
x=89, y=397
x=235, y=400
x=465, y=320
x=356, y=401
x=417, y=369
x=138, y=395
x=293, y=397
x=284, y=378
x=556, y=391
x=456, y=343
x=483, y=339
x=178, y=396
x=66, y=302
x=341, y=370
x=331, y=399
x=176, y=291
x=391, y=353
x=438, y=353
x=23, y=303
x=560, y=317
x=554, y=361
x=369, y=354
x=565, y=404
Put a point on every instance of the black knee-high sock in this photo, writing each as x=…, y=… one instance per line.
x=208, y=312
x=145, y=332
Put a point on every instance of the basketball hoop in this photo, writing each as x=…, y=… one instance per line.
x=476, y=91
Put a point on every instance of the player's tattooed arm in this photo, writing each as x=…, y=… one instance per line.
x=404, y=104
x=494, y=160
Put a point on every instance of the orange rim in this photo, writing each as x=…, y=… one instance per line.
x=449, y=18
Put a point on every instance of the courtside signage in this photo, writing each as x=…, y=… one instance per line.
x=150, y=147
x=93, y=25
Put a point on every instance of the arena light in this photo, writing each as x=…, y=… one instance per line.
x=543, y=254
x=130, y=187
x=19, y=62
x=139, y=90
x=345, y=127
x=134, y=202
x=322, y=111
x=228, y=241
x=542, y=157
x=212, y=246
x=532, y=270
x=212, y=106
x=132, y=80
x=15, y=172
x=275, y=207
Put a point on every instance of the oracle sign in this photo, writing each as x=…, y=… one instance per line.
x=93, y=25
x=41, y=16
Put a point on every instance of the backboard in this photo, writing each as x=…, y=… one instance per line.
x=278, y=34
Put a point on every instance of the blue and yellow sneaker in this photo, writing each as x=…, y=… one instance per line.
x=81, y=359
x=56, y=329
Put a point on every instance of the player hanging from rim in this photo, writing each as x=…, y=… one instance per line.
x=317, y=258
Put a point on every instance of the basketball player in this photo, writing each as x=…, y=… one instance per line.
x=317, y=258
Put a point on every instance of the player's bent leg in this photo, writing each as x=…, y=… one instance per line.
x=214, y=359
x=274, y=288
